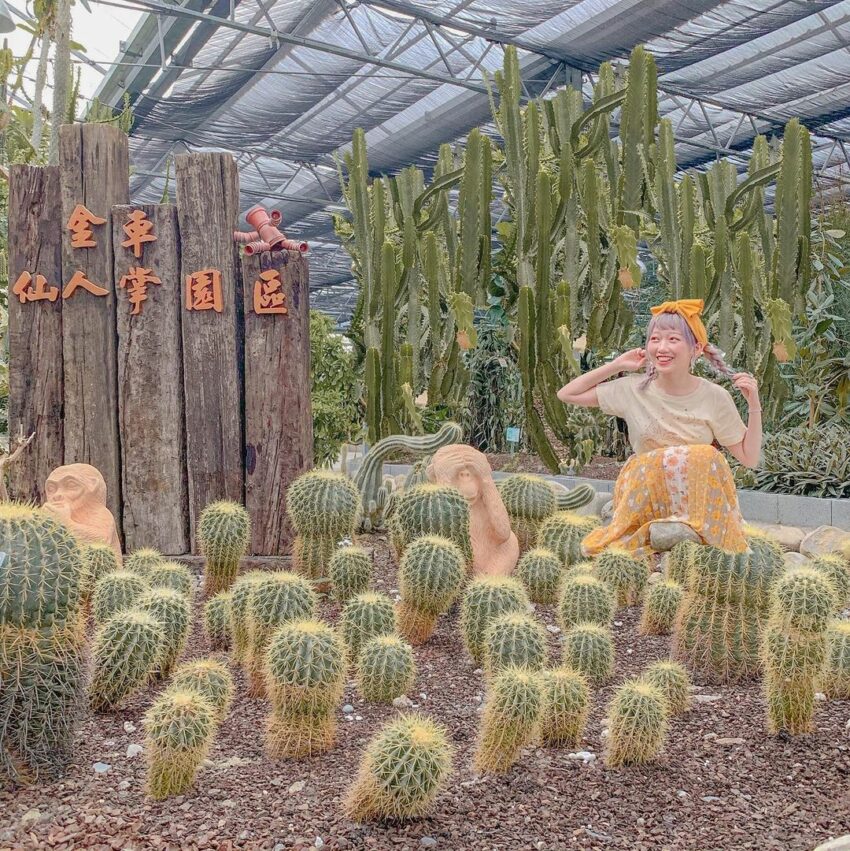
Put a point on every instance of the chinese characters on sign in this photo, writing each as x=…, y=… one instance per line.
x=136, y=283
x=139, y=230
x=80, y=226
x=268, y=293
x=203, y=290
x=80, y=280
x=24, y=290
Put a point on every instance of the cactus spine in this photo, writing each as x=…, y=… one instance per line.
x=485, y=599
x=211, y=680
x=514, y=640
x=224, y=531
x=678, y=561
x=835, y=679
x=116, y=592
x=589, y=649
x=350, y=572
x=430, y=509
x=366, y=616
x=173, y=575
x=563, y=533
x=528, y=500
x=217, y=613
x=385, y=668
x=585, y=599
x=624, y=574
x=639, y=720
x=406, y=765
x=174, y=614
x=240, y=602
x=660, y=608
x=142, y=560
x=836, y=570
x=672, y=680
x=100, y=559
x=566, y=702
x=541, y=572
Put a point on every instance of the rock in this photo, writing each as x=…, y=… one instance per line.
x=279, y=847
x=795, y=559
x=101, y=767
x=707, y=698
x=595, y=506
x=133, y=750
x=823, y=541
x=819, y=695
x=348, y=709
x=654, y=577
x=841, y=843
x=682, y=794
x=233, y=762
x=319, y=842
x=607, y=511
x=129, y=727
x=29, y=819
x=124, y=785
x=665, y=534
x=788, y=537
x=297, y=786
x=553, y=629
x=428, y=842
x=585, y=756
x=403, y=702
x=729, y=740
x=710, y=798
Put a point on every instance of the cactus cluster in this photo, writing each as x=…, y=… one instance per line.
x=366, y=616
x=305, y=678
x=638, y=715
x=623, y=573
x=224, y=531
x=173, y=575
x=672, y=680
x=211, y=680
x=116, y=592
x=660, y=608
x=217, y=620
x=541, y=572
x=430, y=509
x=794, y=648
x=835, y=680
x=529, y=500
x=404, y=768
x=323, y=507
x=99, y=559
x=514, y=640
x=566, y=703
x=142, y=560
x=172, y=611
x=589, y=649
x=585, y=599
x=563, y=532
x=240, y=598
x=385, y=668
x=486, y=598
x=350, y=572
x=430, y=575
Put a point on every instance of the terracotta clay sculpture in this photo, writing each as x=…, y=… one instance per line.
x=266, y=236
x=76, y=495
x=495, y=549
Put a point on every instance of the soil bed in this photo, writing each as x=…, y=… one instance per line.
x=721, y=783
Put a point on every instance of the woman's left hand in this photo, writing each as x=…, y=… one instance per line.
x=748, y=388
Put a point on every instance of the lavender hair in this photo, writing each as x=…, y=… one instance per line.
x=674, y=322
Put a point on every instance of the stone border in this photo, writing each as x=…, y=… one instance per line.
x=757, y=506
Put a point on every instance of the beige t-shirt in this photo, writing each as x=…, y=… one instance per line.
x=657, y=420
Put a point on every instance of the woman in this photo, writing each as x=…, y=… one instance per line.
x=676, y=481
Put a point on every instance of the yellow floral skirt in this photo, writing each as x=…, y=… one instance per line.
x=691, y=484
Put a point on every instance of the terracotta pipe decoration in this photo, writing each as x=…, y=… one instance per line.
x=276, y=216
x=259, y=220
x=266, y=237
x=256, y=246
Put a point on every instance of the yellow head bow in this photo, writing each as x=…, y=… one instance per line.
x=689, y=309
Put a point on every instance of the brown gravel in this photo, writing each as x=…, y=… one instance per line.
x=721, y=783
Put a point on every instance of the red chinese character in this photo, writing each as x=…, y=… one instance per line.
x=138, y=230
x=136, y=283
x=80, y=226
x=24, y=290
x=80, y=280
x=203, y=290
x=268, y=293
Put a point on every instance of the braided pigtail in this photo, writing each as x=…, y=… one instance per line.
x=715, y=360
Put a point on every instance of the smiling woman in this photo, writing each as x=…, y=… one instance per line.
x=677, y=485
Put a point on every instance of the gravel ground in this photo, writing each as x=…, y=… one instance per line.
x=721, y=782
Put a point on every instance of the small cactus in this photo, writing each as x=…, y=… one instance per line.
x=677, y=562
x=125, y=652
x=589, y=649
x=116, y=592
x=835, y=680
x=364, y=617
x=514, y=640
x=430, y=575
x=99, y=559
x=217, y=612
x=430, y=509
x=385, y=669
x=672, y=680
x=211, y=680
x=172, y=574
x=142, y=560
x=240, y=600
x=511, y=719
x=224, y=531
x=305, y=678
x=406, y=765
x=528, y=500
x=660, y=607
x=623, y=573
x=485, y=599
x=838, y=572
x=179, y=726
x=585, y=599
x=563, y=533
x=566, y=702
x=639, y=719
x=173, y=612
x=350, y=572
x=541, y=572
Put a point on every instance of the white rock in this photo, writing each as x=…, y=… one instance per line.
x=358, y=717
x=819, y=695
x=428, y=842
x=423, y=695
x=585, y=756
x=124, y=785
x=707, y=698
x=297, y=786
x=402, y=702
x=665, y=534
x=553, y=629
x=129, y=727
x=796, y=559
x=133, y=750
x=823, y=541
x=29, y=818
x=682, y=794
x=319, y=843
x=348, y=709
x=101, y=767
x=654, y=577
x=729, y=740
x=840, y=843
x=788, y=537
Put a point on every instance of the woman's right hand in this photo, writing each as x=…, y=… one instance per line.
x=631, y=361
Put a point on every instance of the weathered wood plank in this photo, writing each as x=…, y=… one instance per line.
x=35, y=328
x=150, y=379
x=278, y=415
x=207, y=208
x=94, y=172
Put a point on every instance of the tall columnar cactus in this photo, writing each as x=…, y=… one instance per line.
x=585, y=599
x=514, y=640
x=431, y=509
x=660, y=608
x=672, y=680
x=528, y=500
x=173, y=575
x=589, y=649
x=566, y=703
x=794, y=648
x=323, y=507
x=126, y=651
x=217, y=623
x=511, y=719
x=430, y=574
x=211, y=680
x=835, y=679
x=385, y=668
x=486, y=598
x=366, y=616
x=240, y=602
x=623, y=573
x=172, y=611
x=406, y=765
x=834, y=568
x=305, y=678
x=224, y=532
x=563, y=533
x=180, y=726
x=99, y=559
x=719, y=624
x=142, y=560
x=277, y=599
x=116, y=592
x=541, y=572
x=639, y=720
x=350, y=572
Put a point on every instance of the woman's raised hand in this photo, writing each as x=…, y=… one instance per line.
x=748, y=388
x=631, y=361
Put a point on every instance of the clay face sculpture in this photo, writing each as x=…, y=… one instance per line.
x=495, y=548
x=76, y=495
